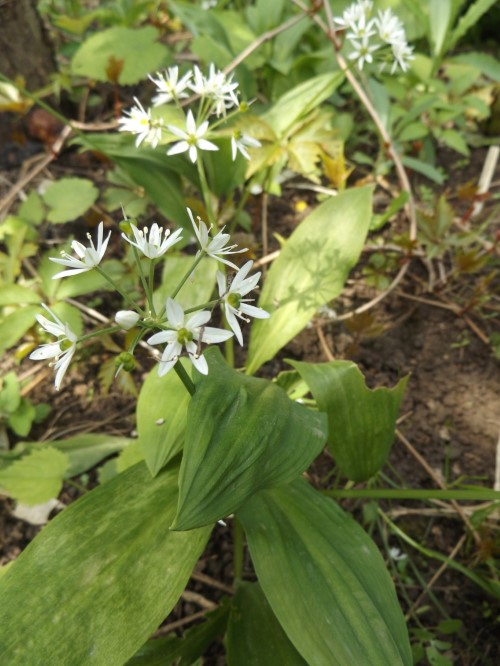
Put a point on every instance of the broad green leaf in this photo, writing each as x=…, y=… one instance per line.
x=198, y=288
x=10, y=394
x=16, y=294
x=32, y=209
x=427, y=170
x=300, y=101
x=440, y=17
x=68, y=198
x=83, y=451
x=484, y=62
x=15, y=325
x=161, y=417
x=150, y=169
x=361, y=421
x=455, y=140
x=100, y=577
x=324, y=579
x=254, y=635
x=243, y=434
x=35, y=478
x=137, y=50
x=186, y=650
x=310, y=271
x=22, y=419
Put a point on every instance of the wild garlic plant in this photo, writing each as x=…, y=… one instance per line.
x=182, y=332
x=206, y=103
x=380, y=38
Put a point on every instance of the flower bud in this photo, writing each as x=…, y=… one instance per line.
x=124, y=226
x=127, y=319
x=126, y=361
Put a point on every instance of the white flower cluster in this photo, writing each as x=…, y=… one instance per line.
x=179, y=330
x=217, y=94
x=383, y=34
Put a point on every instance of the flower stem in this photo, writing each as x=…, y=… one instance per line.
x=102, y=331
x=205, y=190
x=186, y=276
x=145, y=285
x=125, y=296
x=185, y=378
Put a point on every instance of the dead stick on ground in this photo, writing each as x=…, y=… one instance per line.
x=436, y=576
x=439, y=483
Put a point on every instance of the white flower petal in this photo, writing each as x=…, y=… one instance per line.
x=175, y=313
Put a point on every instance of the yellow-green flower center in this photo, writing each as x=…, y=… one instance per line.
x=234, y=300
x=65, y=344
x=184, y=335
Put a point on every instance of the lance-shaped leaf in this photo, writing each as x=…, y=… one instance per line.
x=324, y=579
x=310, y=271
x=100, y=577
x=243, y=434
x=161, y=418
x=361, y=421
x=254, y=636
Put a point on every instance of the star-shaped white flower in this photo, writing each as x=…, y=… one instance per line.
x=170, y=87
x=216, y=86
x=157, y=243
x=62, y=350
x=362, y=51
x=402, y=53
x=140, y=122
x=240, y=142
x=192, y=138
x=216, y=246
x=234, y=303
x=88, y=257
x=187, y=334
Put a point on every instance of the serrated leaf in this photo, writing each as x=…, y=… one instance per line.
x=100, y=577
x=324, y=578
x=15, y=325
x=254, y=635
x=137, y=48
x=84, y=451
x=310, y=271
x=361, y=421
x=68, y=198
x=37, y=477
x=22, y=419
x=161, y=417
x=16, y=294
x=243, y=434
x=10, y=394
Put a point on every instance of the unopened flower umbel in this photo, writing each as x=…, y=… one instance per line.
x=88, y=257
